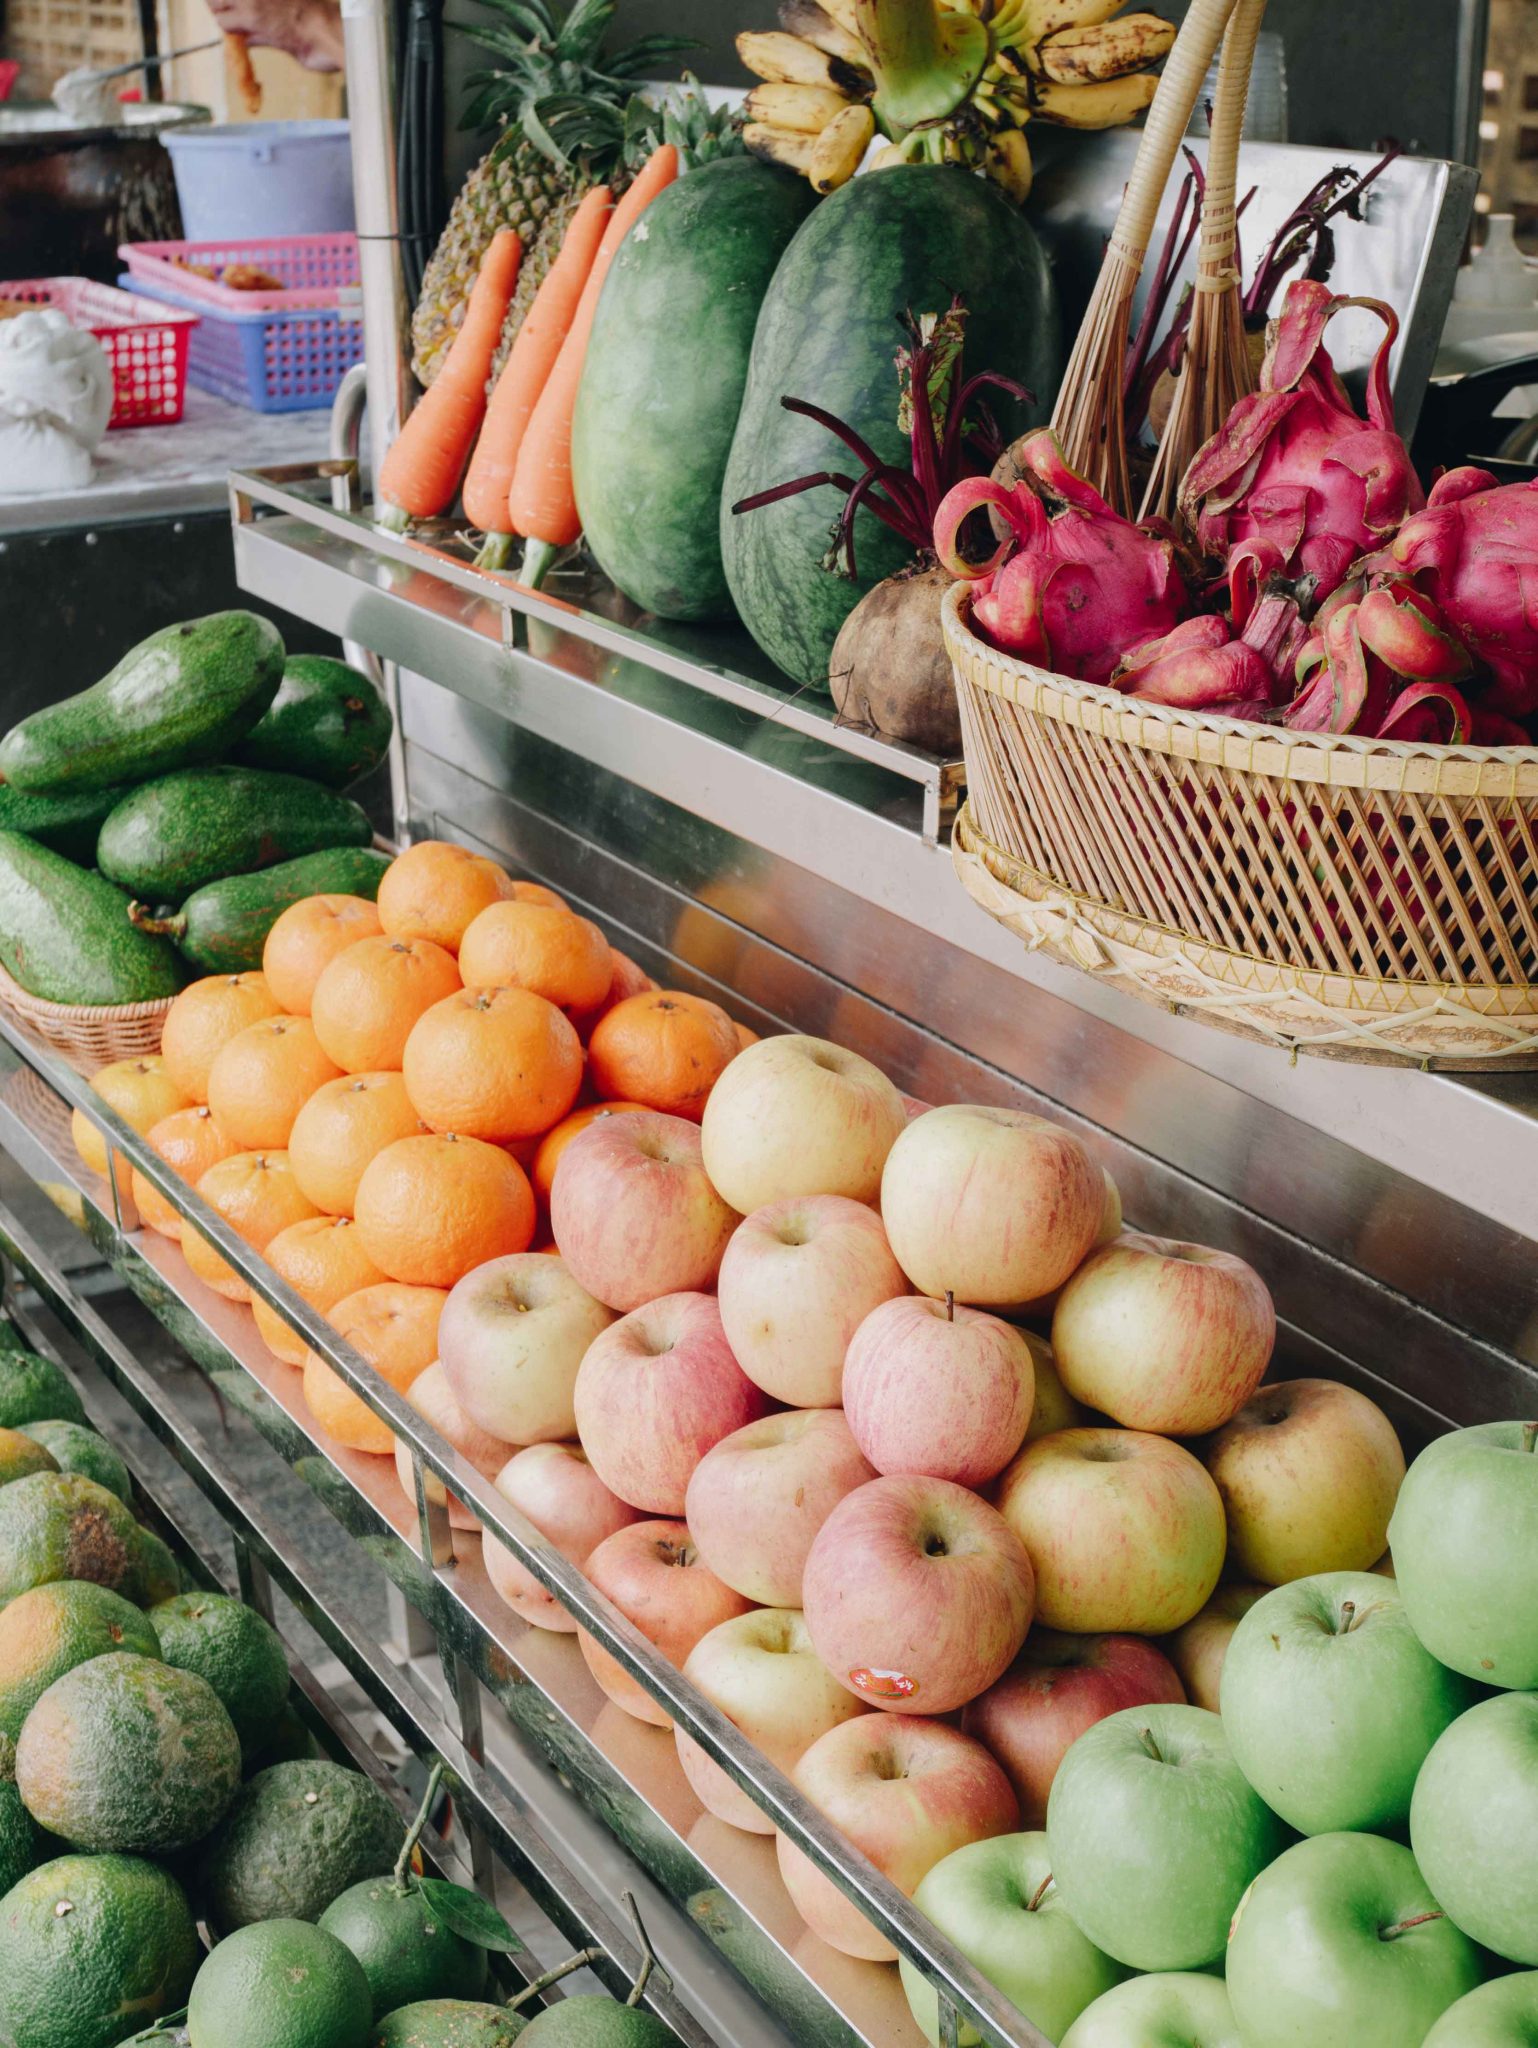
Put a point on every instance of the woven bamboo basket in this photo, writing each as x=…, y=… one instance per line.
x=1369, y=900
x=89, y=1036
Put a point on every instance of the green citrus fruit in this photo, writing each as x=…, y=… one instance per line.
x=448, y=2023
x=597, y=2022
x=92, y=1949
x=53, y=1628
x=229, y=1645
x=21, y=1455
x=406, y=1951
x=126, y=1754
x=283, y=1984
x=156, y=1575
x=21, y=1839
x=33, y=1389
x=56, y=1525
x=296, y=1837
x=75, y=1448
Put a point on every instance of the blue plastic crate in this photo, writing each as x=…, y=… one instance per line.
x=289, y=361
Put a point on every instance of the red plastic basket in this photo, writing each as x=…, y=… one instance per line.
x=316, y=270
x=146, y=344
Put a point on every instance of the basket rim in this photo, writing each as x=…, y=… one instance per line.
x=1422, y=766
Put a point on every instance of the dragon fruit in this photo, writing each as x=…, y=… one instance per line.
x=1198, y=667
x=1475, y=551
x=1382, y=663
x=1074, y=584
x=1293, y=464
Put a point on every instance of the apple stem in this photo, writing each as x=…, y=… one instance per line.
x=1403, y=1926
x=1347, y=1617
x=950, y=1317
x=1147, y=1737
x=1039, y=1894
x=1530, y=1436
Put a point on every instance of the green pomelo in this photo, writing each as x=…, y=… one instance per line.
x=284, y=1984
x=156, y=1574
x=448, y=2023
x=75, y=1448
x=33, y=1389
x=231, y=1647
x=597, y=2023
x=296, y=1837
x=21, y=1839
x=56, y=1525
x=406, y=1951
x=21, y=1455
x=53, y=1628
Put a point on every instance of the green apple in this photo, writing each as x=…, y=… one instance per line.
x=1340, y=1944
x=1154, y=1834
x=1198, y=1650
x=1171, y=2009
x=1465, y=1544
x=1474, y=1824
x=996, y=1901
x=1330, y=1704
x=1500, y=2014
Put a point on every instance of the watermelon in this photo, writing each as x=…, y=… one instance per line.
x=908, y=239
x=663, y=378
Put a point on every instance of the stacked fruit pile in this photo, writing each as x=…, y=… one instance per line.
x=153, y=1774
x=203, y=777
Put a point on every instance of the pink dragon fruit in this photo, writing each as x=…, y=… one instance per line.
x=1475, y=551
x=1382, y=663
x=1198, y=667
x=1293, y=464
x=1075, y=584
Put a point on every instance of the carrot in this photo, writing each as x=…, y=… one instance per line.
x=421, y=473
x=542, y=504
x=517, y=390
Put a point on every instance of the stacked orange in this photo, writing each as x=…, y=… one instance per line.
x=381, y=1108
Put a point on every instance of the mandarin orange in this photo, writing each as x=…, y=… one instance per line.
x=666, y=1049
x=190, y=1142
x=142, y=1091
x=307, y=938
x=626, y=979
x=536, y=892
x=341, y=1128
x=433, y=1208
x=368, y=998
x=323, y=1260
x=263, y=1077
x=555, y=954
x=434, y=889
x=257, y=1196
x=203, y=1017
x=493, y=1063
x=396, y=1329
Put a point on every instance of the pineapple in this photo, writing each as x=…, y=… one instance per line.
x=551, y=93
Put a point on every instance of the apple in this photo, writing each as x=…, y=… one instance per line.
x=1125, y=1530
x=995, y=1900
x=760, y=1669
x=654, y=1392
x=433, y=1399
x=633, y=1212
x=797, y=1280
x=756, y=1500
x=512, y=1336
x=1474, y=1824
x=799, y=1116
x=931, y=1387
x=1058, y=1686
x=991, y=1205
x=1198, y=1650
x=1043, y=1310
x=1054, y=1408
x=915, y=1105
x=917, y=1594
x=654, y=1575
x=1330, y=1704
x=1162, y=1336
x=1308, y=1471
x=556, y=1487
x=1500, y=2014
x=906, y=1792
x=1465, y=1543
x=1155, y=1834
x=1168, y=2009
x=1341, y=1944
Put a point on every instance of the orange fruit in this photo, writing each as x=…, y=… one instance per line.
x=257, y=1196
x=432, y=1208
x=536, y=892
x=396, y=1330
x=435, y=888
x=307, y=938
x=493, y=1063
x=367, y=1000
x=745, y=1037
x=625, y=980
x=263, y=1077
x=554, y=1143
x=563, y=958
x=340, y=1129
x=190, y=1142
x=142, y=1091
x=204, y=1015
x=666, y=1049
x=322, y=1259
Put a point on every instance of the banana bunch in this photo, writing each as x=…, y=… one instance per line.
x=1070, y=62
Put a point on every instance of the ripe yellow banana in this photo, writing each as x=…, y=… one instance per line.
x=815, y=25
x=1007, y=161
x=1088, y=56
x=840, y=148
x=787, y=60
x=1108, y=105
x=806, y=108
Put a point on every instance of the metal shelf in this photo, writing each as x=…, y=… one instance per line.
x=726, y=1882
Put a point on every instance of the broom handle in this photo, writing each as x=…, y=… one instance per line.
x=1215, y=270
x=1168, y=119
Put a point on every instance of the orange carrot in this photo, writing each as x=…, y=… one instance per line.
x=524, y=374
x=421, y=473
x=542, y=504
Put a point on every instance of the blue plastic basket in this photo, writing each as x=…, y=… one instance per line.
x=289, y=361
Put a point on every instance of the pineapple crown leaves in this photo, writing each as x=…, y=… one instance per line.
x=546, y=57
x=606, y=139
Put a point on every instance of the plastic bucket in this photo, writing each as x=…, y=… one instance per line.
x=263, y=178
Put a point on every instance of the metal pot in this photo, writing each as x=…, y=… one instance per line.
x=69, y=194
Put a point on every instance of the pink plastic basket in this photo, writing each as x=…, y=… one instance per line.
x=317, y=270
x=10, y=71
x=145, y=344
